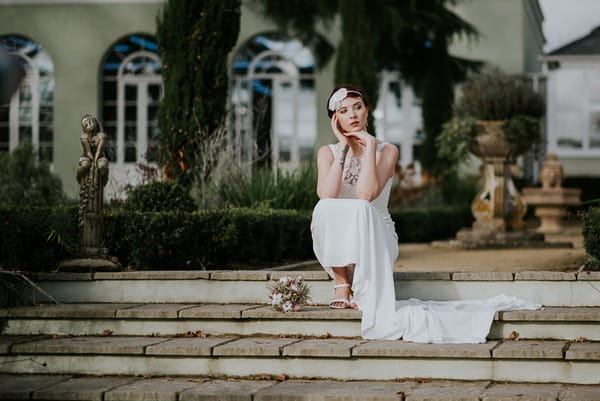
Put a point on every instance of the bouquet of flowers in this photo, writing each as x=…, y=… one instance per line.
x=289, y=294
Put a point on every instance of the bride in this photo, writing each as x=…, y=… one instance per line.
x=355, y=241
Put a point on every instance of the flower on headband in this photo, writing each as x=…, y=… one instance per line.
x=336, y=99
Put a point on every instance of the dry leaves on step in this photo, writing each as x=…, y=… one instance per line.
x=281, y=377
x=197, y=333
x=106, y=333
x=323, y=336
x=580, y=339
x=514, y=336
x=198, y=380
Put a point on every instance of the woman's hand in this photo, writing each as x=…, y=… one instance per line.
x=361, y=137
x=336, y=131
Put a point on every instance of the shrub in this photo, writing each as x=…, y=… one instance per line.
x=591, y=232
x=498, y=96
x=26, y=240
x=430, y=224
x=268, y=189
x=488, y=97
x=159, y=196
x=208, y=239
x=27, y=182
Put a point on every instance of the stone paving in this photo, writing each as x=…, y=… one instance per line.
x=267, y=388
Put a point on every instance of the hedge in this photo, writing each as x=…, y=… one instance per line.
x=591, y=232
x=208, y=239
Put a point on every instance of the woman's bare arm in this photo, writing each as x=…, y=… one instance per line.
x=329, y=180
x=376, y=170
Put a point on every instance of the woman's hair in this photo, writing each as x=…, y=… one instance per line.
x=353, y=91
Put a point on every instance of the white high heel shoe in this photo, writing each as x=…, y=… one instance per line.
x=344, y=301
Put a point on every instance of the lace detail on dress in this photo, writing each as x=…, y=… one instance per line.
x=352, y=166
x=352, y=170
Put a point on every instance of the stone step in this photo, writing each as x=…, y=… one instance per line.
x=300, y=358
x=549, y=288
x=252, y=319
x=267, y=388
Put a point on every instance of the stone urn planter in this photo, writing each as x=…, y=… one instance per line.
x=498, y=205
x=496, y=119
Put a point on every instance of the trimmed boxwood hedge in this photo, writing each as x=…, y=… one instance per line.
x=591, y=232
x=209, y=239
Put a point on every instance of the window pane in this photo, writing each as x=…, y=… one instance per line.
x=109, y=90
x=593, y=80
x=130, y=93
x=570, y=128
x=46, y=91
x=24, y=134
x=46, y=134
x=130, y=154
x=595, y=129
x=109, y=113
x=152, y=111
x=131, y=113
x=4, y=113
x=46, y=114
x=4, y=133
x=131, y=133
x=25, y=93
x=154, y=93
x=45, y=152
x=25, y=114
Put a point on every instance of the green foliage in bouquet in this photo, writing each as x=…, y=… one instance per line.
x=289, y=295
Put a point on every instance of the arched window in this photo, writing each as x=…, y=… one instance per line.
x=131, y=91
x=273, y=97
x=29, y=114
x=398, y=116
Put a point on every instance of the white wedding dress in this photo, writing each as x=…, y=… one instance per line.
x=347, y=230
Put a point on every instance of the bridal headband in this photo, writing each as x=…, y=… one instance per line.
x=335, y=101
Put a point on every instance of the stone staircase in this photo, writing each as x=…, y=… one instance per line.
x=210, y=335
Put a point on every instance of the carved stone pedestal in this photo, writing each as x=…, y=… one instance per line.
x=91, y=260
x=551, y=206
x=498, y=207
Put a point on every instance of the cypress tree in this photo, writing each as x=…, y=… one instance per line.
x=408, y=36
x=355, y=59
x=194, y=38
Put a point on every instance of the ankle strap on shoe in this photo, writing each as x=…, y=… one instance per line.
x=342, y=285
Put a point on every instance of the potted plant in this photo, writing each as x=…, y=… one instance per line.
x=497, y=119
x=503, y=104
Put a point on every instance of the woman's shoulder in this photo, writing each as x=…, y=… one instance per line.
x=390, y=147
x=331, y=148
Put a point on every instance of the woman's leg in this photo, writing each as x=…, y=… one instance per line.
x=341, y=276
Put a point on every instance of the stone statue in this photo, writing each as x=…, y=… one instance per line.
x=92, y=176
x=551, y=174
x=552, y=200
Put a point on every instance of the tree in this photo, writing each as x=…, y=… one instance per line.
x=194, y=38
x=408, y=36
x=357, y=45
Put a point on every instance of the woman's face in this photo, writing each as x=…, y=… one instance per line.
x=352, y=115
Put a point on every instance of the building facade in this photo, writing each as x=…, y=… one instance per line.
x=573, y=73
x=100, y=57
